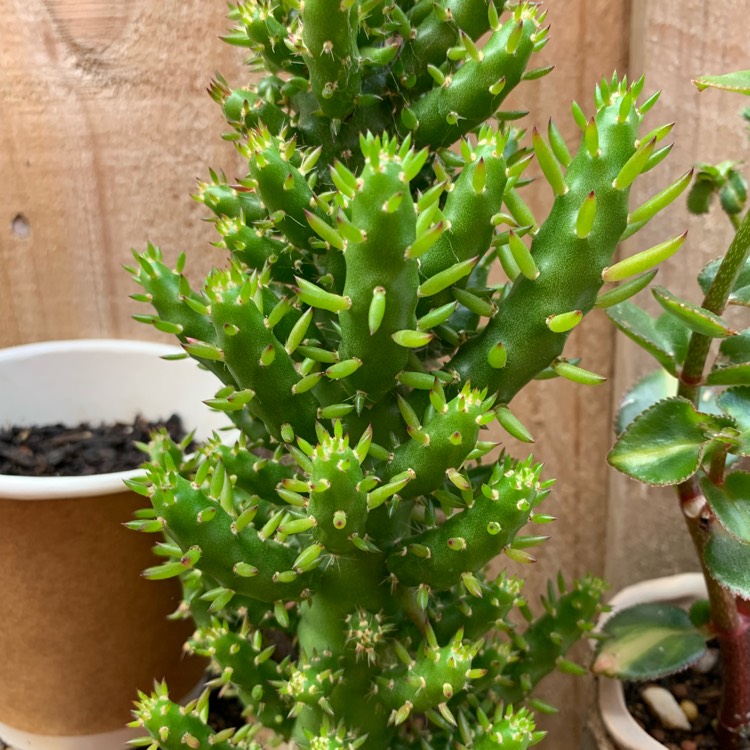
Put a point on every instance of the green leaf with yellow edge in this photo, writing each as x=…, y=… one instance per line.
x=732, y=366
x=736, y=349
x=696, y=318
x=708, y=274
x=730, y=375
x=735, y=403
x=737, y=81
x=665, y=444
x=740, y=297
x=676, y=333
x=639, y=326
x=651, y=389
x=648, y=641
x=726, y=558
x=731, y=503
x=655, y=387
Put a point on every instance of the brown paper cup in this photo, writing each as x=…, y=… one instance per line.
x=80, y=629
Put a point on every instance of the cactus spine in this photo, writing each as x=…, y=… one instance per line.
x=334, y=557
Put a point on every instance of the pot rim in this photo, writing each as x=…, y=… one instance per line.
x=621, y=726
x=62, y=488
x=87, y=345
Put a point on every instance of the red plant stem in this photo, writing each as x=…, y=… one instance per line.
x=733, y=729
x=730, y=624
x=730, y=615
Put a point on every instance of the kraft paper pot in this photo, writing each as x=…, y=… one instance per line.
x=80, y=629
x=680, y=590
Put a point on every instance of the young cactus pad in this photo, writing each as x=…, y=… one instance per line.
x=334, y=557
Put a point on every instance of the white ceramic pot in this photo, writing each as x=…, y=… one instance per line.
x=80, y=630
x=622, y=727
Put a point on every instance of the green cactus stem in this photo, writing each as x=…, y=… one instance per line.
x=175, y=727
x=435, y=32
x=444, y=556
x=333, y=552
x=564, y=268
x=474, y=199
x=329, y=35
x=378, y=273
x=469, y=97
x=242, y=659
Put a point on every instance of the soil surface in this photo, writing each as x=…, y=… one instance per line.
x=60, y=451
x=224, y=712
x=702, y=689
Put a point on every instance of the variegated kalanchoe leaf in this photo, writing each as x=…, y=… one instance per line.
x=335, y=554
x=688, y=425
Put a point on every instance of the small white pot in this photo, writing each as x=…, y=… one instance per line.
x=97, y=380
x=81, y=631
x=679, y=590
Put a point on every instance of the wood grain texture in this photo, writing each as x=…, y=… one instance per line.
x=104, y=127
x=646, y=534
x=572, y=423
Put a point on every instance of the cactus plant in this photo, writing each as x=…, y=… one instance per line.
x=335, y=555
x=686, y=426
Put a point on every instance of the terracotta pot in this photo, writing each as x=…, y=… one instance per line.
x=80, y=630
x=621, y=726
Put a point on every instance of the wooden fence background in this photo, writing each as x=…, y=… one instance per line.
x=105, y=125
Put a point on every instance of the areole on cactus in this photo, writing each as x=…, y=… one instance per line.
x=334, y=557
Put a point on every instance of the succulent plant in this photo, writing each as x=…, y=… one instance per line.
x=686, y=425
x=334, y=556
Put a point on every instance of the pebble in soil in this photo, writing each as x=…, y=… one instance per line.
x=701, y=689
x=56, y=450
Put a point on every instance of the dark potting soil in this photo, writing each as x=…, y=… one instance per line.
x=224, y=712
x=59, y=451
x=703, y=689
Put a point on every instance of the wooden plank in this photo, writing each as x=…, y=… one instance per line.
x=671, y=43
x=105, y=127
x=572, y=423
